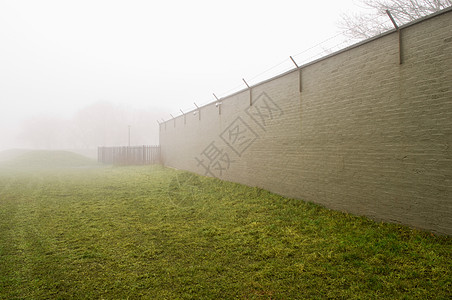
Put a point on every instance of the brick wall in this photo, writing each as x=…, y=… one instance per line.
x=365, y=134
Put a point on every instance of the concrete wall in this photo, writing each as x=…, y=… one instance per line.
x=355, y=131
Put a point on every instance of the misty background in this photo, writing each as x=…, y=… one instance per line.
x=77, y=74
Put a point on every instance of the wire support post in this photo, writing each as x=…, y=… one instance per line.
x=299, y=73
x=251, y=93
x=174, y=119
x=218, y=103
x=399, y=33
x=185, y=117
x=198, y=111
x=294, y=62
x=392, y=19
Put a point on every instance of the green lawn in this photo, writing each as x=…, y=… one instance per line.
x=84, y=231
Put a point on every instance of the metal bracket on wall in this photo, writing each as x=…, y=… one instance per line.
x=199, y=111
x=218, y=104
x=173, y=119
x=185, y=117
x=251, y=93
x=399, y=32
x=299, y=73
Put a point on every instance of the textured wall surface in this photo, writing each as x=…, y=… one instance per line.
x=355, y=131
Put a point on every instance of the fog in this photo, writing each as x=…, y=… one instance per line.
x=99, y=124
x=79, y=74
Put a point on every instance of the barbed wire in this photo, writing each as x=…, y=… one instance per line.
x=327, y=47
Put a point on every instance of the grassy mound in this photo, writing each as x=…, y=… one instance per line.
x=44, y=159
x=10, y=154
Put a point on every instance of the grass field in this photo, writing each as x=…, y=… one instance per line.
x=72, y=229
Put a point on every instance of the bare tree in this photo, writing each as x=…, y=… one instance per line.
x=376, y=21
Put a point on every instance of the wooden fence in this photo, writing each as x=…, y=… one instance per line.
x=137, y=155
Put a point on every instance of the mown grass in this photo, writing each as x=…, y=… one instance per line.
x=152, y=232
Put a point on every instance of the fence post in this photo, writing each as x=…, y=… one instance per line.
x=137, y=155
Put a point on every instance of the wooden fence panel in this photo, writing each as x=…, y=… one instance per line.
x=137, y=155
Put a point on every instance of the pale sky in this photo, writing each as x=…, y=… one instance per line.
x=57, y=57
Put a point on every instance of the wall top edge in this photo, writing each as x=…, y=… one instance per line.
x=356, y=45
